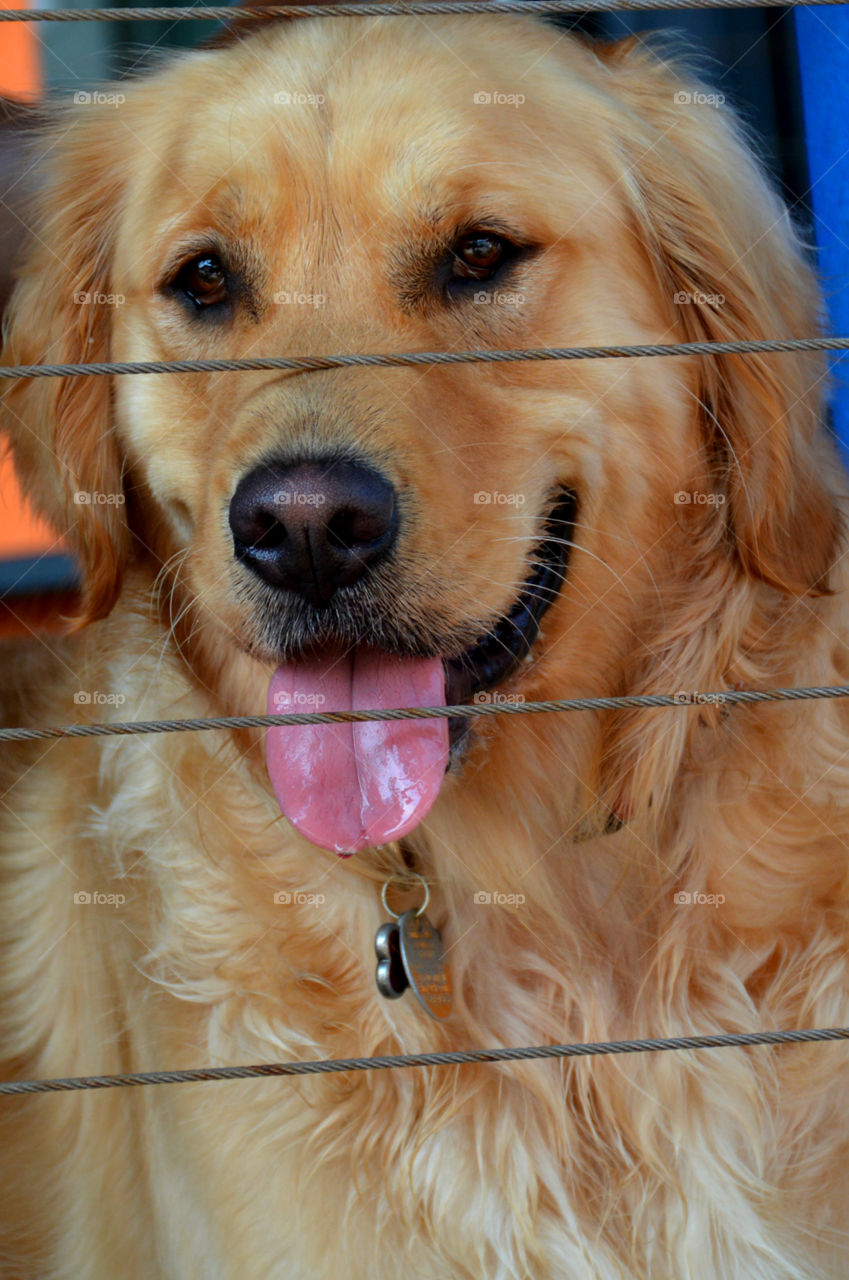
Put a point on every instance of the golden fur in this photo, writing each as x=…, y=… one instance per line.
x=713, y=1164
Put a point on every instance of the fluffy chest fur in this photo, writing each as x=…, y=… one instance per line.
x=604, y=1168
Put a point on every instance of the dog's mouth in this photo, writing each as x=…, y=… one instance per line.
x=350, y=786
x=499, y=653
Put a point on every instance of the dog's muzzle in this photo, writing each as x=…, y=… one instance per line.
x=308, y=531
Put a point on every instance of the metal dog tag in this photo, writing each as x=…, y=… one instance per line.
x=410, y=954
x=424, y=963
x=391, y=979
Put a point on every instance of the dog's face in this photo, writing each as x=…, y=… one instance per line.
x=467, y=530
x=344, y=208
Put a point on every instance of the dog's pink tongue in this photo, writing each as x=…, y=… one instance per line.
x=347, y=786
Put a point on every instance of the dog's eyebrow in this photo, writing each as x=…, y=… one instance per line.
x=451, y=222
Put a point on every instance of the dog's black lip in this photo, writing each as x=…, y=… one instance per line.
x=498, y=653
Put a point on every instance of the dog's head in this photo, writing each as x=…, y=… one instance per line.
x=392, y=535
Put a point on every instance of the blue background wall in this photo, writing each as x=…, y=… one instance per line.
x=823, y=42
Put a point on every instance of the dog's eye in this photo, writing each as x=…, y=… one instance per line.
x=203, y=280
x=478, y=255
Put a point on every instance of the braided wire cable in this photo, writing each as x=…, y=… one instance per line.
x=378, y=8
x=327, y=1066
x=460, y=710
x=307, y=364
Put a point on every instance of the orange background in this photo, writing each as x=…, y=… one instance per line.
x=21, y=533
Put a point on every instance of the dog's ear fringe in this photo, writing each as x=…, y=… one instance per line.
x=720, y=238
x=60, y=429
x=713, y=228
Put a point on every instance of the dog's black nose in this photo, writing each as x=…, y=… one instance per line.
x=313, y=528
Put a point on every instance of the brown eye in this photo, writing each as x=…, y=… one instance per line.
x=479, y=254
x=203, y=280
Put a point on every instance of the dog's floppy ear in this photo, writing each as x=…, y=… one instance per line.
x=61, y=429
x=725, y=253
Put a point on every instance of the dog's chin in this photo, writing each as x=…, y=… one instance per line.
x=472, y=670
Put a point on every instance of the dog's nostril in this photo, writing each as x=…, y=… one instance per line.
x=270, y=533
x=340, y=532
x=314, y=527
x=352, y=528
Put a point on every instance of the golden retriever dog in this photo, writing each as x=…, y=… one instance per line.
x=367, y=538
